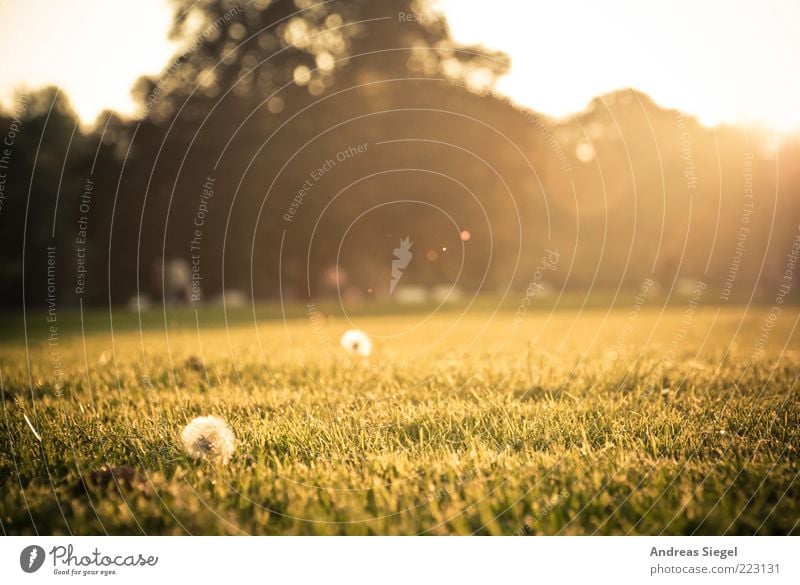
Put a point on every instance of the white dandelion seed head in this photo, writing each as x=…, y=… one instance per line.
x=209, y=438
x=356, y=342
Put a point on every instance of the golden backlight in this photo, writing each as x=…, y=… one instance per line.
x=93, y=49
x=725, y=62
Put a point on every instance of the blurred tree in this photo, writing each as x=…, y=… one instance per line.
x=284, y=72
x=48, y=160
x=364, y=123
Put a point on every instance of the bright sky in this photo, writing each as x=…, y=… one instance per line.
x=721, y=60
x=724, y=61
x=93, y=49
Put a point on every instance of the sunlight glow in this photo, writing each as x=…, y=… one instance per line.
x=725, y=62
x=93, y=49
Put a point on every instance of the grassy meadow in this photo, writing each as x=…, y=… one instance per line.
x=466, y=421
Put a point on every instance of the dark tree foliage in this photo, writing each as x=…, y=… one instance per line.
x=263, y=97
x=290, y=138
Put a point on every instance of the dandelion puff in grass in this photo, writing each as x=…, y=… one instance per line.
x=356, y=342
x=209, y=438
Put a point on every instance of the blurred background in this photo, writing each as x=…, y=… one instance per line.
x=172, y=151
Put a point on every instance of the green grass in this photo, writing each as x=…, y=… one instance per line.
x=458, y=424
